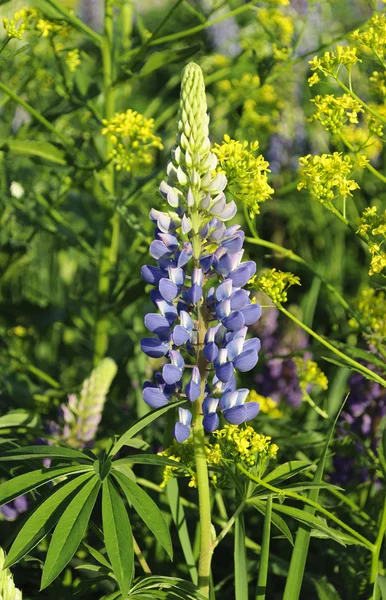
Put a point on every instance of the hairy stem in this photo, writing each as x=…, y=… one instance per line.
x=206, y=548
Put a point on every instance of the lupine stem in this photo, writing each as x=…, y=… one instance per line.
x=110, y=240
x=206, y=548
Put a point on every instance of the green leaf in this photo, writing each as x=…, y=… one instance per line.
x=43, y=519
x=9, y=490
x=315, y=523
x=165, y=57
x=382, y=452
x=287, y=470
x=118, y=536
x=171, y=585
x=381, y=583
x=149, y=459
x=277, y=521
x=44, y=452
x=325, y=590
x=178, y=515
x=97, y=555
x=34, y=149
x=18, y=418
x=240, y=560
x=142, y=423
x=69, y=531
x=147, y=510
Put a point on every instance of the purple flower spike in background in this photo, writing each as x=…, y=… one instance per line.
x=198, y=280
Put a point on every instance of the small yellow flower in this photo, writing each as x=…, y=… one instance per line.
x=371, y=307
x=73, y=60
x=268, y=406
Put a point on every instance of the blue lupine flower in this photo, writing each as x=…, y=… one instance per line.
x=204, y=312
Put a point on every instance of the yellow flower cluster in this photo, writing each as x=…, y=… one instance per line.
x=244, y=444
x=378, y=81
x=239, y=88
x=371, y=307
x=327, y=176
x=363, y=140
x=73, y=60
x=309, y=373
x=275, y=284
x=329, y=63
x=373, y=224
x=246, y=173
x=279, y=25
x=232, y=445
x=335, y=111
x=15, y=27
x=133, y=140
x=374, y=35
x=268, y=406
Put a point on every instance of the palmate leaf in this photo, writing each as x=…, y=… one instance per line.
x=118, y=536
x=45, y=452
x=147, y=510
x=18, y=418
x=44, y=518
x=9, y=490
x=69, y=531
x=149, y=459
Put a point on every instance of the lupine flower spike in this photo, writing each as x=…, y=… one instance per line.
x=204, y=312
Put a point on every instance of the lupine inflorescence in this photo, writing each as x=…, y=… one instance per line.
x=204, y=312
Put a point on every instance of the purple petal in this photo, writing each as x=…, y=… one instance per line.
x=153, y=347
x=151, y=274
x=245, y=361
x=209, y=405
x=211, y=422
x=229, y=212
x=154, y=397
x=252, y=344
x=210, y=351
x=235, y=321
x=168, y=289
x=235, y=415
x=224, y=290
x=206, y=262
x=185, y=416
x=224, y=372
x=252, y=409
x=181, y=432
x=223, y=309
x=176, y=275
x=171, y=374
x=234, y=348
x=251, y=313
x=195, y=293
x=243, y=273
x=234, y=243
x=192, y=391
x=180, y=335
x=156, y=323
x=239, y=300
x=159, y=250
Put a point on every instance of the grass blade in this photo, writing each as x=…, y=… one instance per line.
x=264, y=555
x=240, y=560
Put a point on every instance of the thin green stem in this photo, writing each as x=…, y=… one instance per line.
x=369, y=167
x=198, y=28
x=110, y=241
x=264, y=556
x=229, y=525
x=36, y=115
x=315, y=505
x=75, y=22
x=378, y=545
x=366, y=106
x=296, y=258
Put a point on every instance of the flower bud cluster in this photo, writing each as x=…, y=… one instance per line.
x=204, y=312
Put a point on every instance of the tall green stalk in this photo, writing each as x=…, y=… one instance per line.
x=204, y=505
x=110, y=239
